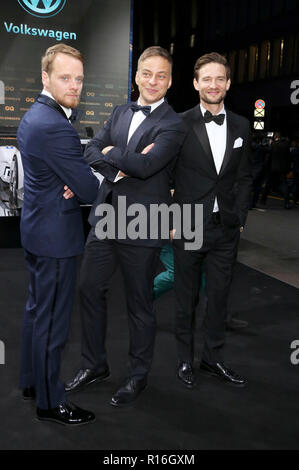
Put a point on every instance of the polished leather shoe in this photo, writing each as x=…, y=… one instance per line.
x=219, y=370
x=128, y=392
x=67, y=414
x=235, y=324
x=86, y=377
x=28, y=393
x=185, y=374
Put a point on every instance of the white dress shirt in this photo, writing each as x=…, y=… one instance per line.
x=137, y=119
x=68, y=111
x=217, y=138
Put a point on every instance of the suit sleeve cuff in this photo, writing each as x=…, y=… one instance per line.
x=118, y=177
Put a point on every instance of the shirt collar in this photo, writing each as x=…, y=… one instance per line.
x=203, y=110
x=153, y=105
x=68, y=111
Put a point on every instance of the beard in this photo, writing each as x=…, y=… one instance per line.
x=69, y=102
x=217, y=100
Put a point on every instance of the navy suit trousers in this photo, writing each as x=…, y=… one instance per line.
x=46, y=326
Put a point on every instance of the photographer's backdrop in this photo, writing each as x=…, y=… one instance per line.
x=100, y=29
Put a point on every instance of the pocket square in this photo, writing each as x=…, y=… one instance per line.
x=238, y=142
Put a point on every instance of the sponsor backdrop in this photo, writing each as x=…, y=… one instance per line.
x=100, y=29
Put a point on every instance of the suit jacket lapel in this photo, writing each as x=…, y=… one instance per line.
x=147, y=124
x=230, y=138
x=201, y=132
x=52, y=103
x=125, y=126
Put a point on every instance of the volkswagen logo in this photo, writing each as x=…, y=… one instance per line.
x=42, y=8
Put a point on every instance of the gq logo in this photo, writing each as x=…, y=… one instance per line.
x=42, y=8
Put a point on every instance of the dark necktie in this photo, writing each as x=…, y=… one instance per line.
x=145, y=109
x=219, y=119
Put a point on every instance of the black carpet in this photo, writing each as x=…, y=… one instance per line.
x=264, y=415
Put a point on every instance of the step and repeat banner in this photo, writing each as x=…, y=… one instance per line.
x=100, y=29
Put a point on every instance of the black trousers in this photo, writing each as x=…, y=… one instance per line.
x=219, y=252
x=138, y=266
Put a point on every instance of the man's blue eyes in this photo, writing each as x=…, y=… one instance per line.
x=78, y=80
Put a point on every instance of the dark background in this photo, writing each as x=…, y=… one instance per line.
x=259, y=37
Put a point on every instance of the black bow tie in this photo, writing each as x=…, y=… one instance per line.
x=74, y=116
x=145, y=109
x=219, y=119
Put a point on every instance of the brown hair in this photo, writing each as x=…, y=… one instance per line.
x=51, y=52
x=209, y=58
x=155, y=51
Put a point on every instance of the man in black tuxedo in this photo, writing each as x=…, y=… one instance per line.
x=136, y=152
x=213, y=169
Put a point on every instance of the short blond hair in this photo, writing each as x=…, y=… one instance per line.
x=155, y=51
x=51, y=52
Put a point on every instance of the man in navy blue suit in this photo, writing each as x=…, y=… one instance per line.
x=136, y=152
x=52, y=230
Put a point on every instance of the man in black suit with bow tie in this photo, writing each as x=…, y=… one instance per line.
x=213, y=170
x=136, y=152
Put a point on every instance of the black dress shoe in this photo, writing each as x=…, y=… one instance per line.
x=67, y=414
x=233, y=323
x=28, y=393
x=224, y=373
x=185, y=374
x=86, y=377
x=128, y=392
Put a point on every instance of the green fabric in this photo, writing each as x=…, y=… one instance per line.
x=164, y=281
